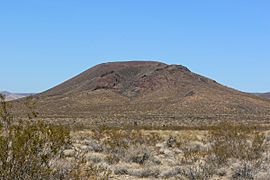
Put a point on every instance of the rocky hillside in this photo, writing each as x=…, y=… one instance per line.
x=264, y=95
x=148, y=93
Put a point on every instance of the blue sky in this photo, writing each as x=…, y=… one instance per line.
x=44, y=42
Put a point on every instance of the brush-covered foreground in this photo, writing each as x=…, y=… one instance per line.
x=226, y=151
x=33, y=149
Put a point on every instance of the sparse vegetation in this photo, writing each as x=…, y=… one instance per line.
x=237, y=141
x=191, y=154
x=34, y=149
x=28, y=147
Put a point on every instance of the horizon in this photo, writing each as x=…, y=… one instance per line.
x=46, y=43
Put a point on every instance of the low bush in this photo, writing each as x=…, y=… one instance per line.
x=144, y=173
x=137, y=154
x=121, y=170
x=82, y=169
x=27, y=147
x=172, y=172
x=200, y=171
x=245, y=171
x=237, y=141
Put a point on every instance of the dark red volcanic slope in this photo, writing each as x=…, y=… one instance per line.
x=148, y=92
x=126, y=78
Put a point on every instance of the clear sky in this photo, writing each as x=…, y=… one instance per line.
x=44, y=42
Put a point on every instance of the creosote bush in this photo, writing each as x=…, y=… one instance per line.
x=238, y=141
x=27, y=147
x=84, y=170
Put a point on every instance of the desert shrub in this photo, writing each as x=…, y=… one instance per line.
x=27, y=147
x=258, y=146
x=82, y=169
x=113, y=139
x=117, y=142
x=171, y=141
x=200, y=171
x=144, y=173
x=152, y=139
x=193, y=152
x=172, y=172
x=121, y=170
x=244, y=171
x=112, y=159
x=193, y=155
x=123, y=138
x=94, y=159
x=96, y=147
x=238, y=141
x=138, y=155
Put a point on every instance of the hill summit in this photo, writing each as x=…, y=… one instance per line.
x=148, y=92
x=130, y=79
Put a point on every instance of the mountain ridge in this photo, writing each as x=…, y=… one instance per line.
x=9, y=96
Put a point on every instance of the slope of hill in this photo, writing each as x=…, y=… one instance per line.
x=264, y=95
x=12, y=96
x=149, y=93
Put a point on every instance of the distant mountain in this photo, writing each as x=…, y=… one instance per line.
x=148, y=92
x=264, y=95
x=12, y=96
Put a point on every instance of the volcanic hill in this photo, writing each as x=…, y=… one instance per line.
x=148, y=92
